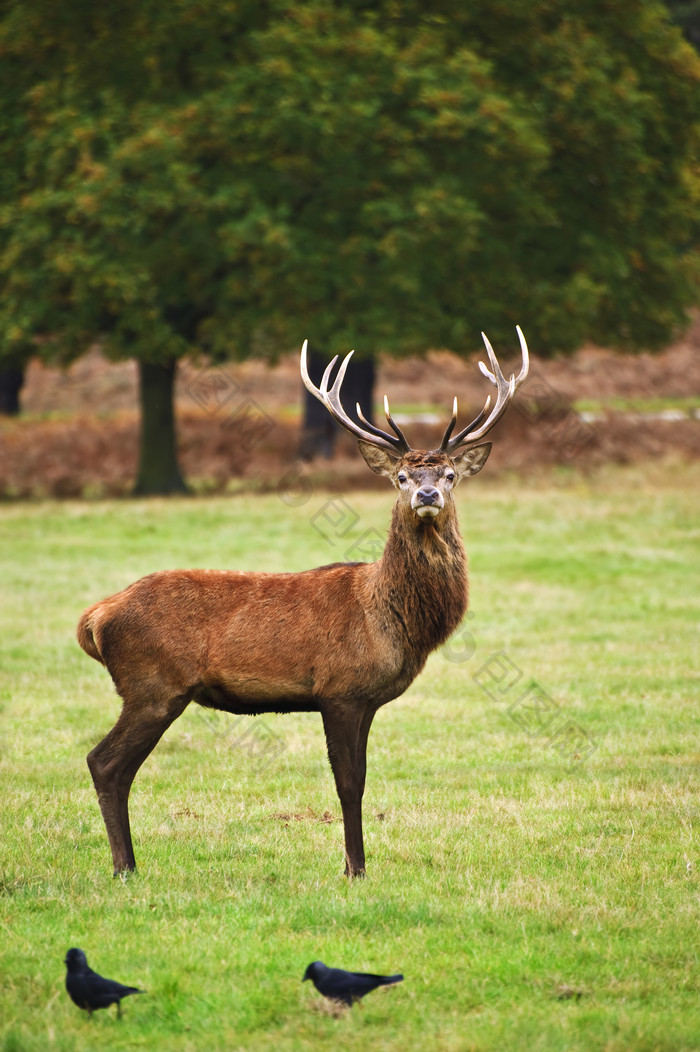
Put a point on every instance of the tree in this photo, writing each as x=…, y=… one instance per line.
x=11, y=381
x=686, y=15
x=229, y=179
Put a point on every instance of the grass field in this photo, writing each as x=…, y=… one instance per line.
x=531, y=803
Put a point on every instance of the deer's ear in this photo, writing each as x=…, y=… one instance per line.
x=378, y=459
x=472, y=460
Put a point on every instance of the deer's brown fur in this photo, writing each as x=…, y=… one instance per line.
x=342, y=640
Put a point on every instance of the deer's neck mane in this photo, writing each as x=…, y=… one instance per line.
x=422, y=576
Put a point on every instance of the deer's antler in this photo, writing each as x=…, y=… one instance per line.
x=486, y=419
x=395, y=444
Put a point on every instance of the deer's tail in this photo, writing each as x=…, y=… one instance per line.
x=86, y=636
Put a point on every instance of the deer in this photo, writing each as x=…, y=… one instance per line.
x=341, y=640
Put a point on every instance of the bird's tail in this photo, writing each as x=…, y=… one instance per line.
x=389, y=980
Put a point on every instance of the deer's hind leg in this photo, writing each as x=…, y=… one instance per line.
x=114, y=762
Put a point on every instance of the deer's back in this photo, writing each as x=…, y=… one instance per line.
x=238, y=640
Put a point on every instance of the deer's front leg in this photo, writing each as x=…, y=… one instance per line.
x=346, y=738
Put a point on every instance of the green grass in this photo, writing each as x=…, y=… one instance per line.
x=503, y=874
x=638, y=405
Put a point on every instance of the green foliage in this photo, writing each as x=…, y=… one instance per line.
x=232, y=177
x=686, y=14
x=531, y=902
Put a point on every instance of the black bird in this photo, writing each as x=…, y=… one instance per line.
x=345, y=987
x=89, y=990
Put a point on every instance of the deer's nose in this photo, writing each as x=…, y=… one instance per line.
x=428, y=495
x=427, y=502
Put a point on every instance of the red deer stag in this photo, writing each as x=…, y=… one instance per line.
x=341, y=640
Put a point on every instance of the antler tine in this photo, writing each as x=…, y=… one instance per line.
x=522, y=375
x=391, y=422
x=450, y=427
x=506, y=389
x=447, y=445
x=330, y=398
x=329, y=369
x=496, y=375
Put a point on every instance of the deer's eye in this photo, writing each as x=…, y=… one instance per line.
x=402, y=478
x=450, y=476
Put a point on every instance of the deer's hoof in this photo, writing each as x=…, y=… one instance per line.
x=351, y=872
x=124, y=872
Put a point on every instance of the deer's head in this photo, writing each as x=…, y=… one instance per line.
x=424, y=478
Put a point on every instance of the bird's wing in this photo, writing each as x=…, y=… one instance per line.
x=105, y=991
x=336, y=984
x=344, y=986
x=364, y=982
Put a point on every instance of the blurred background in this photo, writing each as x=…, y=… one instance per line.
x=189, y=190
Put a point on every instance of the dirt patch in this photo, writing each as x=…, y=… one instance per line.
x=238, y=425
x=309, y=815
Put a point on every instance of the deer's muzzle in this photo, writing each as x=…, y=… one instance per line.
x=427, y=502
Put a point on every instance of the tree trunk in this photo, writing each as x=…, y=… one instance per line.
x=11, y=381
x=159, y=472
x=318, y=430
